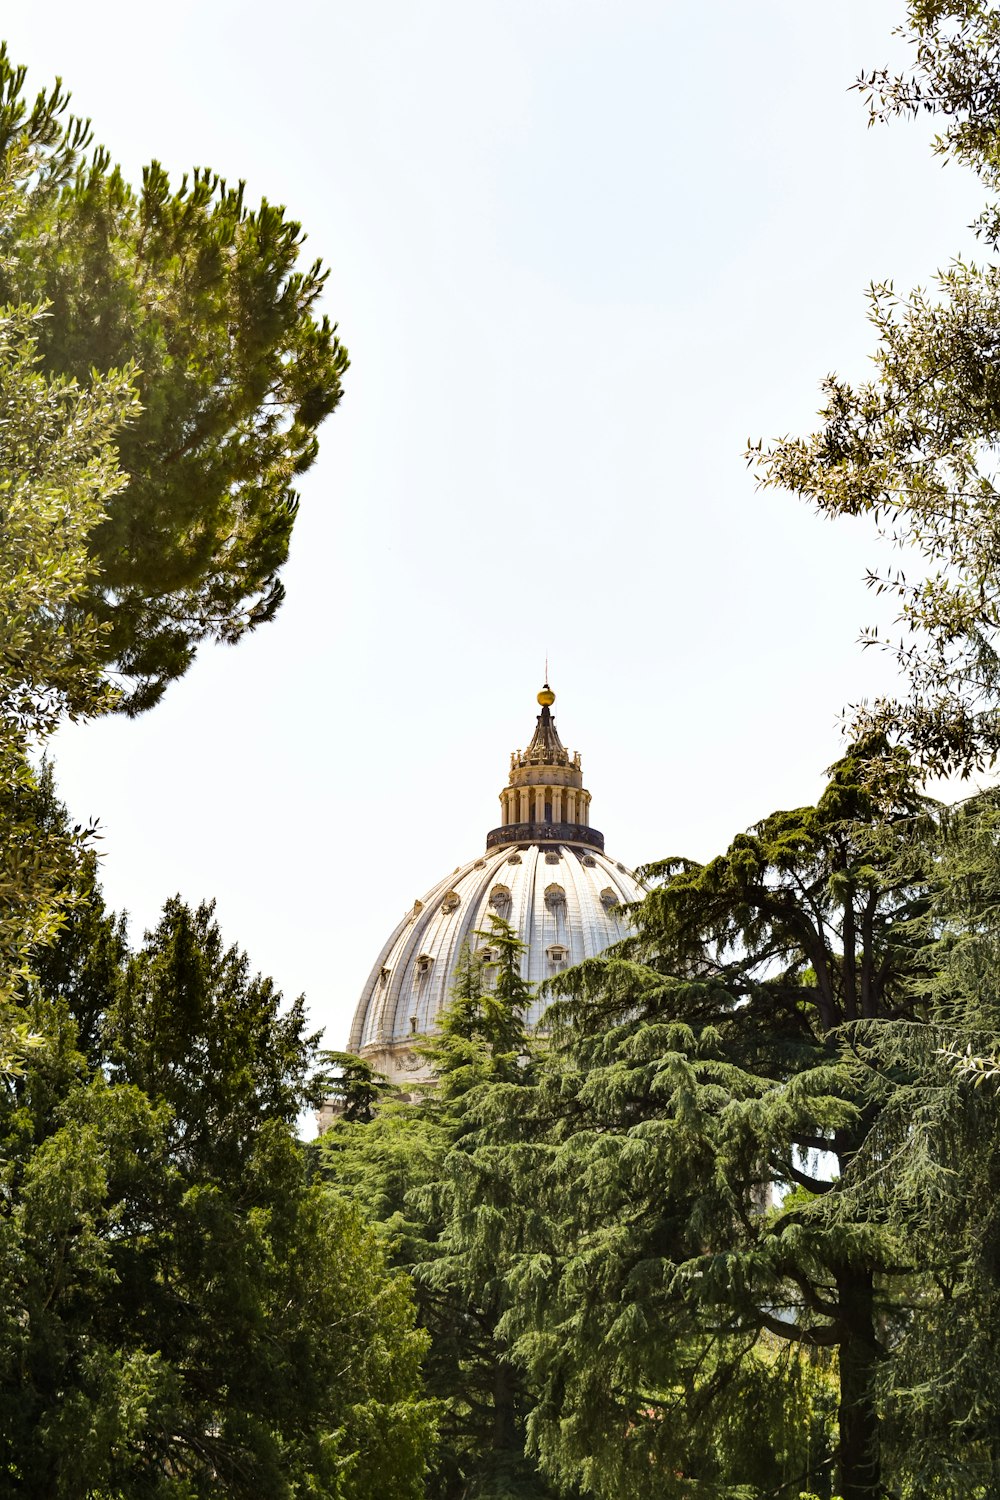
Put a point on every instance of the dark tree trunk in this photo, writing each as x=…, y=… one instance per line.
x=505, y=1430
x=860, y=1467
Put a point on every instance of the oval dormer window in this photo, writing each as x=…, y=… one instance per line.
x=555, y=896
x=500, y=900
x=450, y=902
x=609, y=899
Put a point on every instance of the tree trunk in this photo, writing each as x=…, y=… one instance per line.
x=505, y=1434
x=860, y=1467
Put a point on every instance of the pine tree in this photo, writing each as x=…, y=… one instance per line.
x=396, y=1169
x=939, y=1134
x=187, y=1314
x=200, y=296
x=59, y=476
x=680, y=1204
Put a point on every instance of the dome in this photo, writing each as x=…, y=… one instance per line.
x=544, y=870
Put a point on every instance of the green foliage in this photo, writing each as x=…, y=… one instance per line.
x=353, y=1086
x=481, y=1035
x=187, y=1313
x=935, y=1172
x=201, y=297
x=656, y=1287
x=395, y=1168
x=915, y=446
x=59, y=473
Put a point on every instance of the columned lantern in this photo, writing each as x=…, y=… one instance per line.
x=545, y=801
x=544, y=870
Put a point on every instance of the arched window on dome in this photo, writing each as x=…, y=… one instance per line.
x=610, y=899
x=555, y=897
x=500, y=900
x=450, y=902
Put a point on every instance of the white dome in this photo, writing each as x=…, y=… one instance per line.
x=544, y=870
x=564, y=901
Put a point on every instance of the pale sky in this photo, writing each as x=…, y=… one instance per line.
x=580, y=253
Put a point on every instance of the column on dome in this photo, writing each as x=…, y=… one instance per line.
x=545, y=787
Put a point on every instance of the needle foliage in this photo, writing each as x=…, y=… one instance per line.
x=185, y=1313
x=201, y=296
x=394, y=1166
x=674, y=1199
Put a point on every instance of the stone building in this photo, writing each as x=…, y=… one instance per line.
x=544, y=869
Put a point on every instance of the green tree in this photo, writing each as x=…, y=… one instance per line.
x=674, y=1204
x=915, y=446
x=235, y=368
x=935, y=1174
x=185, y=1312
x=353, y=1087
x=59, y=473
x=395, y=1168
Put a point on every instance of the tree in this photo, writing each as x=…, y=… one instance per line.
x=679, y=1205
x=916, y=446
x=939, y=1129
x=59, y=473
x=186, y=1313
x=59, y=470
x=394, y=1167
x=200, y=296
x=353, y=1087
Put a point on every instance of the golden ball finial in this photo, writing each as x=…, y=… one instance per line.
x=546, y=697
